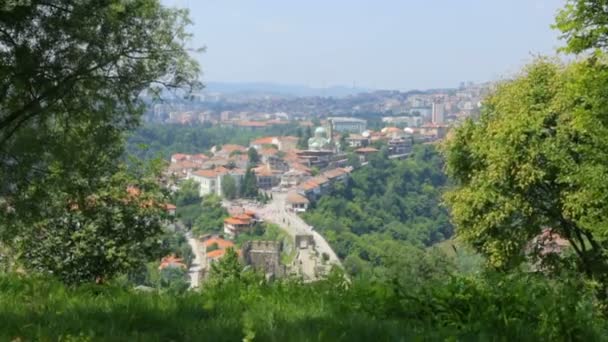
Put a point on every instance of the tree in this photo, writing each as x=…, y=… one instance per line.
x=211, y=219
x=72, y=85
x=229, y=187
x=537, y=159
x=353, y=160
x=174, y=279
x=584, y=25
x=254, y=157
x=85, y=239
x=249, y=185
x=188, y=193
x=227, y=269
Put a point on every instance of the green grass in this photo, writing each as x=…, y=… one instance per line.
x=522, y=308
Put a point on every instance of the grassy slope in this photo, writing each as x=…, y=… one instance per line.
x=518, y=309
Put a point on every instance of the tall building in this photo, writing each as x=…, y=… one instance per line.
x=350, y=125
x=438, y=113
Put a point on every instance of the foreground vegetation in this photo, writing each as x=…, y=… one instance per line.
x=523, y=307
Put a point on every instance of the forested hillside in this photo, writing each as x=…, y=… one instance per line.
x=388, y=208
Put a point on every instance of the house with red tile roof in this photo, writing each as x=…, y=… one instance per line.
x=235, y=225
x=177, y=157
x=171, y=261
x=215, y=248
x=267, y=177
x=296, y=202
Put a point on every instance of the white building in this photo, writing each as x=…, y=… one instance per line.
x=351, y=125
x=210, y=181
x=438, y=113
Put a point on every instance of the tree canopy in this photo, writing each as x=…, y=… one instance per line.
x=75, y=75
x=537, y=159
x=584, y=25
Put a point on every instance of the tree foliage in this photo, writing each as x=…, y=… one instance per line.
x=249, y=185
x=584, y=25
x=94, y=236
x=254, y=157
x=229, y=189
x=385, y=208
x=188, y=193
x=72, y=84
x=211, y=219
x=536, y=159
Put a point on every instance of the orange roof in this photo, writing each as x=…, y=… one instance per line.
x=218, y=253
x=288, y=138
x=171, y=260
x=243, y=217
x=263, y=141
x=212, y=173
x=250, y=213
x=179, y=156
x=235, y=221
x=296, y=198
x=250, y=124
x=233, y=147
x=263, y=170
x=170, y=206
x=221, y=243
x=199, y=156
x=180, y=165
x=309, y=185
x=366, y=150
x=393, y=130
x=335, y=173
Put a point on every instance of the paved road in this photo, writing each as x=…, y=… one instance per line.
x=198, y=263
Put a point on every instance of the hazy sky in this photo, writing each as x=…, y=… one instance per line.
x=387, y=44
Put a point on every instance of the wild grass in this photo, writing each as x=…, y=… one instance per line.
x=520, y=308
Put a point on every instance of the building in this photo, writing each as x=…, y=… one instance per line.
x=171, y=261
x=296, y=202
x=292, y=178
x=264, y=256
x=266, y=177
x=399, y=146
x=350, y=125
x=210, y=181
x=319, y=159
x=365, y=152
x=438, y=113
x=235, y=225
x=357, y=140
x=215, y=247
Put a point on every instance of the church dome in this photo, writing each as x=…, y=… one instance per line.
x=320, y=131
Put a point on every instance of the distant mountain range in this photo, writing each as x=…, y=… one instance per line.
x=266, y=88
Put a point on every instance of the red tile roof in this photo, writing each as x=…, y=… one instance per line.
x=221, y=243
x=295, y=198
x=235, y=221
x=229, y=148
x=171, y=260
x=179, y=156
x=366, y=150
x=263, y=141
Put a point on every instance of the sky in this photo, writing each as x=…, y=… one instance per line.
x=377, y=44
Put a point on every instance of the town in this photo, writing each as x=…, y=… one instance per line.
x=275, y=178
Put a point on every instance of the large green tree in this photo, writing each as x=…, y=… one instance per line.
x=584, y=25
x=75, y=74
x=537, y=159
